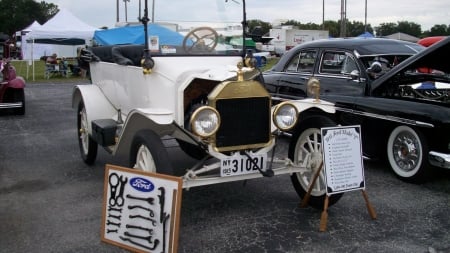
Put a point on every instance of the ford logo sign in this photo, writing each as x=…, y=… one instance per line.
x=142, y=184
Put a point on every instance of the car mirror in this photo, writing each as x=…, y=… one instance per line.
x=354, y=74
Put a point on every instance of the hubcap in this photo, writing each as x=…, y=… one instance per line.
x=406, y=151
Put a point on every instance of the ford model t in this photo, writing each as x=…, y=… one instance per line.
x=190, y=81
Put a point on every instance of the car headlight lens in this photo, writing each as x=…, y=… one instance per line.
x=285, y=116
x=205, y=121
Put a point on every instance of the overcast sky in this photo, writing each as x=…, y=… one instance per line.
x=100, y=13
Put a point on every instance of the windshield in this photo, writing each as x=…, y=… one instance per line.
x=179, y=27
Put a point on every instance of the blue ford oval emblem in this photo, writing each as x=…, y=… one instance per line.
x=142, y=184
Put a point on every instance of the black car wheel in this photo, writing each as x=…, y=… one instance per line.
x=88, y=147
x=305, y=150
x=407, y=151
x=149, y=154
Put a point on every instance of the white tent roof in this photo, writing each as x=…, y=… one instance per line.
x=402, y=36
x=33, y=26
x=63, y=25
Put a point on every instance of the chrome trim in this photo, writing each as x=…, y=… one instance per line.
x=389, y=118
x=10, y=105
x=439, y=159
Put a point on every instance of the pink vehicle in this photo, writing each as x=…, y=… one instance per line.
x=12, y=95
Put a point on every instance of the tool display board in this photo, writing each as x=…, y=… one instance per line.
x=141, y=211
x=343, y=160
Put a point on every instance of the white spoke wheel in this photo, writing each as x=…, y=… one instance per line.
x=149, y=154
x=407, y=151
x=88, y=147
x=305, y=150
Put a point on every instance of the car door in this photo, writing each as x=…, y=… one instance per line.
x=339, y=73
x=296, y=73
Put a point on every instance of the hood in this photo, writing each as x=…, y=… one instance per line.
x=434, y=57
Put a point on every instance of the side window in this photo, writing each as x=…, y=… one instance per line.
x=303, y=62
x=337, y=63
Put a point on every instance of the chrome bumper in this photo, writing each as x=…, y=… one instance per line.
x=439, y=159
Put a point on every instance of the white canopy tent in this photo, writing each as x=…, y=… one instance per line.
x=65, y=32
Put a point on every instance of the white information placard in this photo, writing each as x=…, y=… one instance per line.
x=141, y=211
x=343, y=161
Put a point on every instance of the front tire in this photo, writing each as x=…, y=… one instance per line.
x=406, y=151
x=88, y=147
x=305, y=149
x=149, y=154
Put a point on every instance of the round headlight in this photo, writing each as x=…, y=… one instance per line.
x=285, y=116
x=205, y=121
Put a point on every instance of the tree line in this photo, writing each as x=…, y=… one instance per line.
x=355, y=28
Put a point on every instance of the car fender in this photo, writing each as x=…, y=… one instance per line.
x=16, y=83
x=308, y=103
x=160, y=121
x=96, y=104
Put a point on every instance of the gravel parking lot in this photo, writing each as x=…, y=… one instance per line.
x=50, y=201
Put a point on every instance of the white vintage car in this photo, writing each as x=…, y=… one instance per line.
x=205, y=94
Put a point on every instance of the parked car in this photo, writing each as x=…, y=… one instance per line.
x=210, y=101
x=375, y=83
x=12, y=89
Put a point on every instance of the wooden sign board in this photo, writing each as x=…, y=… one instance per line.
x=141, y=211
x=343, y=162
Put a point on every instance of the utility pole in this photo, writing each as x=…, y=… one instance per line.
x=343, y=18
x=323, y=14
x=126, y=10
x=117, y=11
x=153, y=11
x=365, y=18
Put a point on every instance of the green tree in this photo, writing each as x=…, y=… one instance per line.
x=18, y=14
x=438, y=30
x=258, y=26
x=386, y=29
x=356, y=28
x=332, y=27
x=410, y=28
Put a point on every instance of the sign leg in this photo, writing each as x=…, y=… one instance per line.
x=370, y=208
x=324, y=216
x=313, y=182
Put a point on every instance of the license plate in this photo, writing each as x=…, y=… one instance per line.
x=240, y=164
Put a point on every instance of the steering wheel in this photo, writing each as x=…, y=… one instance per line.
x=203, y=39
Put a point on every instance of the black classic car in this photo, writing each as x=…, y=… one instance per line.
x=398, y=92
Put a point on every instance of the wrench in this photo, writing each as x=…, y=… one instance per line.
x=152, y=214
x=155, y=244
x=149, y=230
x=148, y=200
x=108, y=222
x=145, y=218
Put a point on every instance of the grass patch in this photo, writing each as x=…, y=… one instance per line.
x=25, y=69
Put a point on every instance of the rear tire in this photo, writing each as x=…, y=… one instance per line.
x=88, y=147
x=149, y=154
x=305, y=149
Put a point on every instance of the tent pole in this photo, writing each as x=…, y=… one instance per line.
x=32, y=58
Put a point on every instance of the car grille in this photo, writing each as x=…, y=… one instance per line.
x=245, y=123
